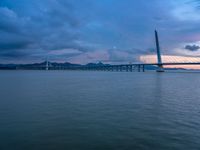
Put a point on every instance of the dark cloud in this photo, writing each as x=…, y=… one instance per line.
x=40, y=26
x=9, y=21
x=13, y=54
x=12, y=42
x=192, y=47
x=34, y=29
x=14, y=45
x=56, y=13
x=197, y=2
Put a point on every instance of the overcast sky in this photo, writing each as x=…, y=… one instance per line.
x=82, y=31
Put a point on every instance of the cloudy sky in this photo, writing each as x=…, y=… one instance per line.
x=82, y=31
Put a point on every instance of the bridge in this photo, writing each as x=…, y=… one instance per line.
x=140, y=67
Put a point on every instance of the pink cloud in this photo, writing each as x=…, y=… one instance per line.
x=64, y=52
x=90, y=57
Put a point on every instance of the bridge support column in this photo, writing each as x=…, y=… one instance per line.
x=138, y=68
x=107, y=68
x=112, y=68
x=131, y=68
x=143, y=68
x=121, y=68
x=160, y=68
x=117, y=68
x=127, y=68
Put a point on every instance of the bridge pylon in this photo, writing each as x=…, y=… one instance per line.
x=159, y=58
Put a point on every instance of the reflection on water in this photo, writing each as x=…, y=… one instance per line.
x=99, y=110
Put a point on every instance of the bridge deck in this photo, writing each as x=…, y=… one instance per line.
x=164, y=64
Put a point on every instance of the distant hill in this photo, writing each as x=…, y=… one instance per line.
x=97, y=64
x=62, y=66
x=38, y=66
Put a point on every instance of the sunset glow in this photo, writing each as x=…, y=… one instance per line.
x=173, y=59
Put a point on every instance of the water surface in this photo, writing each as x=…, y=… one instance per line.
x=66, y=110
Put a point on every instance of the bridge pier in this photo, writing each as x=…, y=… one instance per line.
x=109, y=68
x=127, y=68
x=117, y=68
x=112, y=68
x=131, y=68
x=143, y=68
x=121, y=68
x=160, y=68
x=139, y=68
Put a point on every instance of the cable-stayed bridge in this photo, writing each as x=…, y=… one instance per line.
x=171, y=60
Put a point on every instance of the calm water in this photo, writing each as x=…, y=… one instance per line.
x=63, y=110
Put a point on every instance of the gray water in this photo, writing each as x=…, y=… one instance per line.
x=63, y=110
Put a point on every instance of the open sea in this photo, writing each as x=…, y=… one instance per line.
x=85, y=110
